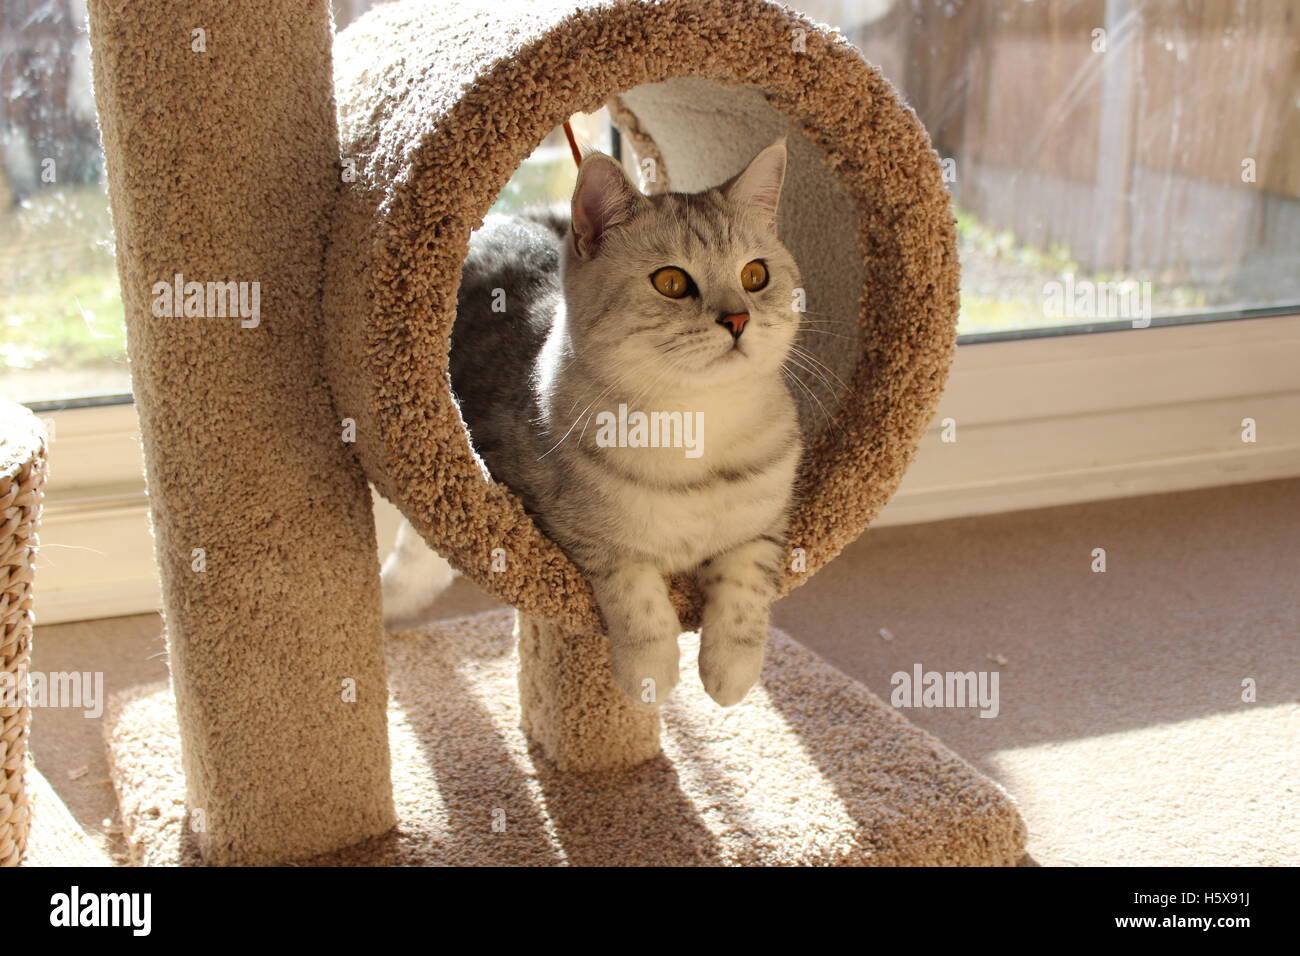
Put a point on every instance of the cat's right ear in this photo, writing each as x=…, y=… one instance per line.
x=602, y=199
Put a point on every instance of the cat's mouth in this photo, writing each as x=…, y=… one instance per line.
x=733, y=354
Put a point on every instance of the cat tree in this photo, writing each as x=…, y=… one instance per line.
x=259, y=441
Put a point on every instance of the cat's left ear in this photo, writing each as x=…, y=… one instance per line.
x=759, y=187
x=602, y=199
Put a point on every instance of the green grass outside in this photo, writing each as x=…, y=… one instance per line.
x=60, y=303
x=61, y=309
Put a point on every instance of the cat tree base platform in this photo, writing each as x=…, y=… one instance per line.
x=811, y=769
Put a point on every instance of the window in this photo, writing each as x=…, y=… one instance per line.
x=61, y=321
x=547, y=175
x=62, y=326
x=1112, y=162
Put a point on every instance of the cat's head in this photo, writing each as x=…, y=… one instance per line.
x=680, y=290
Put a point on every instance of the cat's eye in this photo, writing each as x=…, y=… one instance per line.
x=754, y=275
x=671, y=281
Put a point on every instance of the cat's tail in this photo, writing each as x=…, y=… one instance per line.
x=411, y=579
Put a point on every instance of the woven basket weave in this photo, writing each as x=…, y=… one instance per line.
x=22, y=474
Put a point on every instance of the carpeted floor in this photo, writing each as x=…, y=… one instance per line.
x=1121, y=733
x=56, y=838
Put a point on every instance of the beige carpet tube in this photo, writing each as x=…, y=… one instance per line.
x=440, y=103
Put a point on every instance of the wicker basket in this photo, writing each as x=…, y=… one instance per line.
x=22, y=473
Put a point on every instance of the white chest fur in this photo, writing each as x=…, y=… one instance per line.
x=727, y=481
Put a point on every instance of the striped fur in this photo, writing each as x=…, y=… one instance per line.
x=584, y=331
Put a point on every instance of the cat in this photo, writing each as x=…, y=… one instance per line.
x=673, y=303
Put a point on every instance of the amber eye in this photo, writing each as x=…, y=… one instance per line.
x=671, y=281
x=754, y=275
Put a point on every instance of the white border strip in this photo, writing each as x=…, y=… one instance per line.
x=1038, y=422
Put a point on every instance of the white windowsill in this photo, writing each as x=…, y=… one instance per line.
x=1039, y=422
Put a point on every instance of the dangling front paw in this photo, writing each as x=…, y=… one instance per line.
x=646, y=670
x=643, y=629
x=739, y=587
x=730, y=662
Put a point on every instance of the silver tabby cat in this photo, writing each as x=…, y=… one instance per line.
x=678, y=307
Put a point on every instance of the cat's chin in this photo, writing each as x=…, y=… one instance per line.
x=734, y=376
x=734, y=365
x=731, y=357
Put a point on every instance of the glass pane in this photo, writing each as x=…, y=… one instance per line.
x=548, y=175
x=62, y=331
x=61, y=324
x=1110, y=160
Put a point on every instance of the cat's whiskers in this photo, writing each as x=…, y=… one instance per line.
x=816, y=379
x=847, y=338
x=826, y=318
x=804, y=353
x=606, y=391
x=795, y=359
x=632, y=401
x=790, y=376
x=667, y=348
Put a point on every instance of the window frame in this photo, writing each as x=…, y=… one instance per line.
x=1040, y=421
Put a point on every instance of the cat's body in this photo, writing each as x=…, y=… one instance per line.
x=585, y=338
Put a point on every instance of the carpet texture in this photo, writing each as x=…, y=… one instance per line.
x=1123, y=732
x=1123, y=740
x=811, y=769
x=56, y=838
x=222, y=168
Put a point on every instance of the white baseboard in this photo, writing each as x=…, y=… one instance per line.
x=1123, y=480
x=96, y=558
x=1038, y=422
x=1054, y=421
x=126, y=597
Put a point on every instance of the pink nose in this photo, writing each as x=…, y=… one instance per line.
x=735, y=322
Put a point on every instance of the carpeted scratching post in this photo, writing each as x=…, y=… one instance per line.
x=571, y=708
x=437, y=105
x=222, y=168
